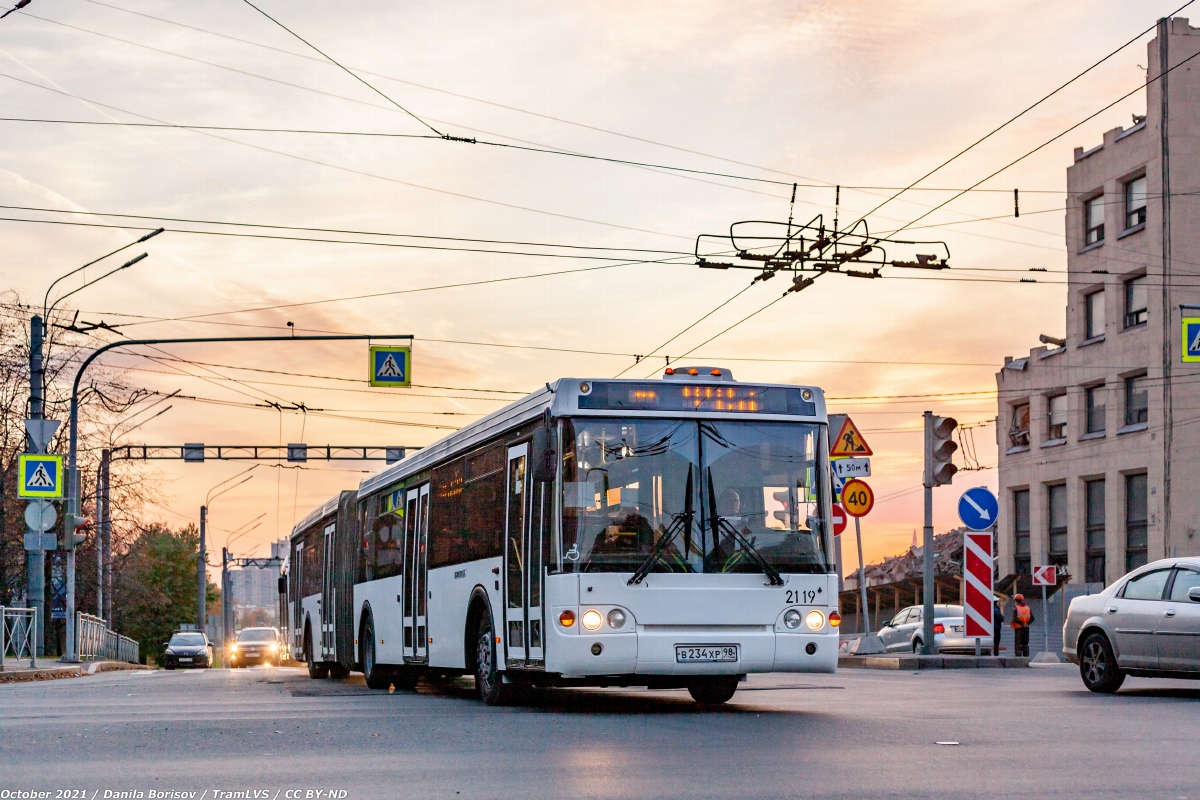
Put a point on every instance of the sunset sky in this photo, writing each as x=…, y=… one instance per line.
x=821, y=93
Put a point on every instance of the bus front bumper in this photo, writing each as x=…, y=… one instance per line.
x=663, y=650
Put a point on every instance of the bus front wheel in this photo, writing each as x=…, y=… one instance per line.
x=714, y=691
x=488, y=680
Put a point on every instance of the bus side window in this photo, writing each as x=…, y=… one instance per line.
x=389, y=552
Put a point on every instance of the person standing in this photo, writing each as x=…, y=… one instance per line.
x=997, y=625
x=1022, y=619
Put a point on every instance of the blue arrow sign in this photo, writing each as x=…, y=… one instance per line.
x=978, y=508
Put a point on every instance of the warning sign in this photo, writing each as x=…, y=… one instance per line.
x=849, y=441
x=391, y=366
x=41, y=476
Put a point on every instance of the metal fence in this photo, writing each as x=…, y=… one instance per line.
x=96, y=642
x=18, y=634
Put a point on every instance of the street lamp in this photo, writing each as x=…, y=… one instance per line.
x=35, y=588
x=202, y=556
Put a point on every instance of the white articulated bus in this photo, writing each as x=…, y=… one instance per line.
x=666, y=533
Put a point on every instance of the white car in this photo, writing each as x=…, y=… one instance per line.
x=1146, y=624
x=905, y=632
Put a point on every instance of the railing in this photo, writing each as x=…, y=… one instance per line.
x=95, y=642
x=18, y=634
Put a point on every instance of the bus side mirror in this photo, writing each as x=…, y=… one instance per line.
x=543, y=455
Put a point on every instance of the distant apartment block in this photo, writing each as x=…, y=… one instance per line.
x=1099, y=438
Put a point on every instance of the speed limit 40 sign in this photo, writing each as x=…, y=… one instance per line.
x=857, y=498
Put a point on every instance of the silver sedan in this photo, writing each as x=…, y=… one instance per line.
x=1146, y=624
x=903, y=634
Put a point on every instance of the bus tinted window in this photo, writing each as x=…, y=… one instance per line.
x=389, y=545
x=483, y=501
x=447, y=531
x=312, y=563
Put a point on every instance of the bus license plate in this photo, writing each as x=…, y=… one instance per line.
x=705, y=654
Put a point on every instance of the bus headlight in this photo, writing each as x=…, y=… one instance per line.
x=616, y=618
x=791, y=618
x=592, y=619
x=815, y=620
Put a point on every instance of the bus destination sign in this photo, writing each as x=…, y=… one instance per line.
x=711, y=397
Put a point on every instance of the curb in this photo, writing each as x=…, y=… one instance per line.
x=930, y=662
x=54, y=673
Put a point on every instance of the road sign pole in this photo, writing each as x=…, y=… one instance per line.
x=862, y=578
x=1045, y=621
x=201, y=571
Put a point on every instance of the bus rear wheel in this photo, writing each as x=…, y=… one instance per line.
x=315, y=669
x=376, y=677
x=489, y=682
x=714, y=691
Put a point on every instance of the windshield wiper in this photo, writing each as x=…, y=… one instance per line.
x=681, y=522
x=720, y=524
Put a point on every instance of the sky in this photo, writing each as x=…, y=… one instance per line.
x=866, y=96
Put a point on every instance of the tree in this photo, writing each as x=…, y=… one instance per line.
x=156, y=589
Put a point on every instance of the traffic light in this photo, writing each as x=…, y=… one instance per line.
x=939, y=448
x=787, y=499
x=74, y=523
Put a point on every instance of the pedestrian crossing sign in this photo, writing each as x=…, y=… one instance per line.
x=1191, y=339
x=391, y=366
x=41, y=476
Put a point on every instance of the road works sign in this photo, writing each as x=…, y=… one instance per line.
x=849, y=440
x=977, y=579
x=857, y=498
x=40, y=476
x=391, y=366
x=1046, y=575
x=1191, y=339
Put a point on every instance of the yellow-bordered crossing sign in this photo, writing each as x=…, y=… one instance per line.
x=390, y=365
x=40, y=476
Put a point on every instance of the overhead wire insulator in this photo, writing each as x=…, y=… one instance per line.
x=800, y=283
x=857, y=273
x=704, y=263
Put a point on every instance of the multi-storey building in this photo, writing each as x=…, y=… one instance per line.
x=1099, y=443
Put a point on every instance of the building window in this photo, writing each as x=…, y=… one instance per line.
x=1136, y=403
x=1135, y=203
x=1136, y=312
x=1094, y=313
x=1136, y=519
x=1056, y=418
x=1094, y=400
x=1093, y=220
x=1018, y=429
x=1057, y=502
x=1021, y=532
x=1094, y=521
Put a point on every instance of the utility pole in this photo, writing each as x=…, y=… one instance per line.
x=201, y=572
x=226, y=607
x=35, y=559
x=103, y=600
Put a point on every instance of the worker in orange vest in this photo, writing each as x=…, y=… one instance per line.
x=1022, y=619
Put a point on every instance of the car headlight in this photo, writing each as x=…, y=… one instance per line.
x=274, y=647
x=616, y=618
x=791, y=618
x=592, y=620
x=815, y=620
x=233, y=648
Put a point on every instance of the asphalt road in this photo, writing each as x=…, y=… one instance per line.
x=1019, y=733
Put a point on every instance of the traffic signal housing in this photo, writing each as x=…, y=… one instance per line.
x=74, y=523
x=939, y=449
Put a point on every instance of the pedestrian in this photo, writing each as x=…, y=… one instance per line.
x=1022, y=619
x=997, y=625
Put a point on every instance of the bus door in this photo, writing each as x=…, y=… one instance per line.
x=416, y=590
x=328, y=599
x=515, y=561
x=297, y=599
x=535, y=569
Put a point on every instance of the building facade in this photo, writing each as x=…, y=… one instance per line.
x=1098, y=435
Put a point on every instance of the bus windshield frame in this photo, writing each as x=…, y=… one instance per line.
x=701, y=495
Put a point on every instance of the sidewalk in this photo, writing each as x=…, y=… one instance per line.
x=914, y=662
x=48, y=669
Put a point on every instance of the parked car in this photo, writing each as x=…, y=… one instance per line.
x=255, y=646
x=905, y=632
x=1146, y=624
x=188, y=649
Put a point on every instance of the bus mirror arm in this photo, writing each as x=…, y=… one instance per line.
x=544, y=454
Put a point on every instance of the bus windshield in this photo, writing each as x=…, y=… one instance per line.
x=692, y=496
